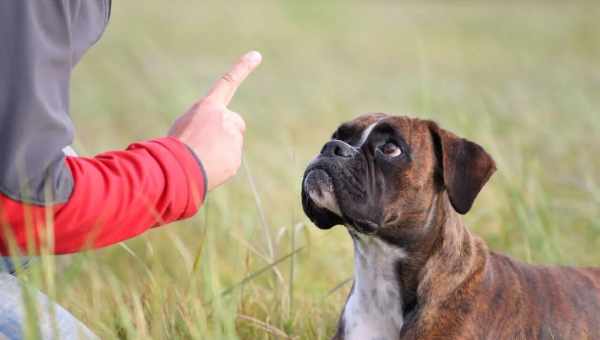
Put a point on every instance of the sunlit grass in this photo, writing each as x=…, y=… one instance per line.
x=520, y=78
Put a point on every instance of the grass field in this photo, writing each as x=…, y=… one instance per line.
x=520, y=78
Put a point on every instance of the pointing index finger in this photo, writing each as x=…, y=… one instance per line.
x=224, y=88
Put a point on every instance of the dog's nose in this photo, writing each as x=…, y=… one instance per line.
x=337, y=148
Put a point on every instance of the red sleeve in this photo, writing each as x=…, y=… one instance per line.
x=116, y=196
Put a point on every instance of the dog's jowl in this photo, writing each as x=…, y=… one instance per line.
x=400, y=186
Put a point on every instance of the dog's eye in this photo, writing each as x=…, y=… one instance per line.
x=390, y=149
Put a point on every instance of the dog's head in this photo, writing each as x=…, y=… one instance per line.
x=379, y=173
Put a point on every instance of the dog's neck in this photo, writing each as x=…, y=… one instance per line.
x=374, y=308
x=394, y=277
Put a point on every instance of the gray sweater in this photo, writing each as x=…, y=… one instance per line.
x=40, y=43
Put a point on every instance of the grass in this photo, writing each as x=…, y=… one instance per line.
x=520, y=78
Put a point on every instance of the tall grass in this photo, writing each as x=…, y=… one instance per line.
x=520, y=78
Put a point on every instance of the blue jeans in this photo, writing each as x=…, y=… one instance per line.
x=53, y=321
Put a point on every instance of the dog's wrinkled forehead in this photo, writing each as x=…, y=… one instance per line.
x=357, y=131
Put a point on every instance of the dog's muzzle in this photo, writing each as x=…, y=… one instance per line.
x=319, y=186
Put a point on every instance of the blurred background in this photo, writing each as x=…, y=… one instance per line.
x=521, y=78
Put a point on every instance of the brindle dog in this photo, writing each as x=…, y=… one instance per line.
x=399, y=185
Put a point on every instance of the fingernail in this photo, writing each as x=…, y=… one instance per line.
x=254, y=58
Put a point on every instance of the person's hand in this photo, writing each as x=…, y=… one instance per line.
x=213, y=132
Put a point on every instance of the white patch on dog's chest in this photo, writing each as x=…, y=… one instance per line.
x=374, y=310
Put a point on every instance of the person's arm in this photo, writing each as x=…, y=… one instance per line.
x=75, y=203
x=116, y=195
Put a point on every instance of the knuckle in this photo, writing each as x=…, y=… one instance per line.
x=229, y=77
x=197, y=106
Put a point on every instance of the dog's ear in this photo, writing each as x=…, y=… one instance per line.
x=465, y=167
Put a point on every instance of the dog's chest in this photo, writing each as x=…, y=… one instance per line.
x=374, y=309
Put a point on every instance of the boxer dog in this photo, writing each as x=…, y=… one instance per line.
x=400, y=186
